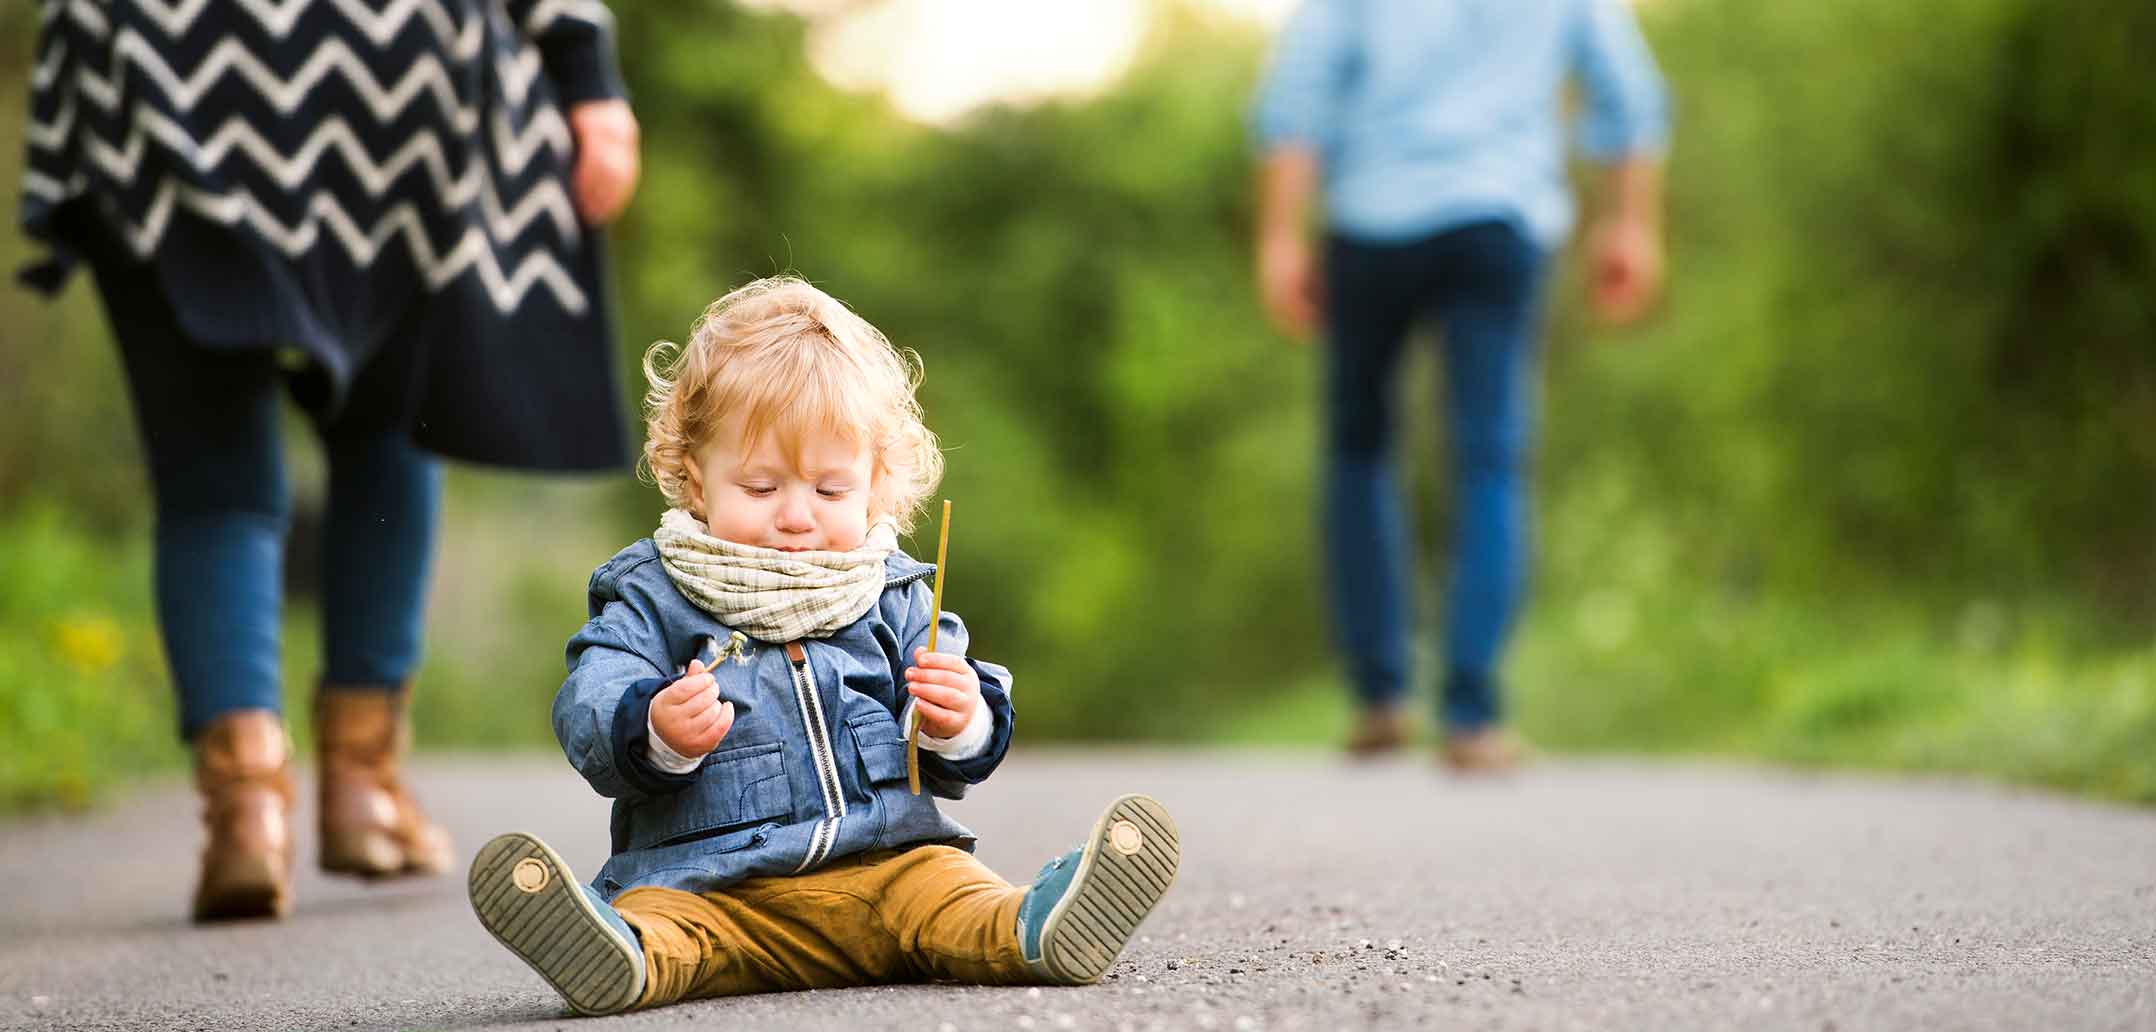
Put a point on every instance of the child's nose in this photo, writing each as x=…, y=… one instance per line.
x=794, y=515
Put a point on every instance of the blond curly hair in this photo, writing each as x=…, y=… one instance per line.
x=788, y=359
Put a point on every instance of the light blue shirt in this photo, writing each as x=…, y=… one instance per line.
x=1430, y=114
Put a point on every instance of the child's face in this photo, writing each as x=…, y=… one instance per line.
x=762, y=499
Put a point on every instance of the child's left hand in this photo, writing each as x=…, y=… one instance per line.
x=945, y=690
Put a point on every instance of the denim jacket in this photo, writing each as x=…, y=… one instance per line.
x=814, y=766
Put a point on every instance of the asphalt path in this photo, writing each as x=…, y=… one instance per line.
x=1314, y=895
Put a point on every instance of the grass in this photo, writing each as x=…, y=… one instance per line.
x=83, y=694
x=86, y=702
x=1644, y=664
x=1990, y=692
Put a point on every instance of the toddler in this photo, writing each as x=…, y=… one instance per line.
x=739, y=692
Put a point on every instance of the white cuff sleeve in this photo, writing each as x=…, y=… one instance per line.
x=665, y=758
x=966, y=744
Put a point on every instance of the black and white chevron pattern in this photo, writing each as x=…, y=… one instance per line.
x=407, y=126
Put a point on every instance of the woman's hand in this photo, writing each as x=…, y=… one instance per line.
x=606, y=158
x=945, y=690
x=688, y=715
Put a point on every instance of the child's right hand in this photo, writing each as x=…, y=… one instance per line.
x=688, y=715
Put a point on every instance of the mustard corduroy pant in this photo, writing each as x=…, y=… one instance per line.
x=929, y=913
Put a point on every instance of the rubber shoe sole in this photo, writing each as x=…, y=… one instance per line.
x=1128, y=864
x=527, y=897
x=244, y=888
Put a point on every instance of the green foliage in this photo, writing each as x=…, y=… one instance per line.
x=1912, y=325
x=1873, y=487
x=83, y=694
x=1876, y=486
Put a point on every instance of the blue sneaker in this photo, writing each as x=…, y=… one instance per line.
x=525, y=894
x=1085, y=905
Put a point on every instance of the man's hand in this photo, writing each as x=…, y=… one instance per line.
x=945, y=690
x=1624, y=249
x=606, y=158
x=688, y=715
x=1625, y=268
x=1290, y=285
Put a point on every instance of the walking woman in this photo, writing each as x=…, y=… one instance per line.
x=390, y=211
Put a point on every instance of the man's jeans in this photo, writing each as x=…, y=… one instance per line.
x=1481, y=285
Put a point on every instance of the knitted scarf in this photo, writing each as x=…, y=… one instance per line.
x=771, y=595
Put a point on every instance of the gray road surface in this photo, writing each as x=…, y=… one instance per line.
x=1314, y=896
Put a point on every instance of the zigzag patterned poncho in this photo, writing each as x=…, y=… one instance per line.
x=354, y=178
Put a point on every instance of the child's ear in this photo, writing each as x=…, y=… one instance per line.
x=693, y=486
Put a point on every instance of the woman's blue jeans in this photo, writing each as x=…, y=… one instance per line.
x=209, y=420
x=1481, y=285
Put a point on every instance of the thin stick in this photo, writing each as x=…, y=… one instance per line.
x=935, y=620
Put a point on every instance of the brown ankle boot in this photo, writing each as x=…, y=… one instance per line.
x=242, y=768
x=371, y=826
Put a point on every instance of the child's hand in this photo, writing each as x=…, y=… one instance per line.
x=606, y=158
x=688, y=715
x=945, y=690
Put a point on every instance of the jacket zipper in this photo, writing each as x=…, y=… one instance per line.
x=819, y=736
x=902, y=581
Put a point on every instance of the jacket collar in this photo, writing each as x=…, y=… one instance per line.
x=900, y=569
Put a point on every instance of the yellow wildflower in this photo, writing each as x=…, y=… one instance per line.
x=88, y=643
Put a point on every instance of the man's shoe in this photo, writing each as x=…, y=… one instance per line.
x=1488, y=750
x=1378, y=730
x=1085, y=905
x=526, y=895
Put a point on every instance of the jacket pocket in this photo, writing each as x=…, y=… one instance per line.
x=735, y=790
x=882, y=745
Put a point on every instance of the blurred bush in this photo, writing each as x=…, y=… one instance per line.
x=82, y=682
x=1875, y=486
x=1879, y=484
